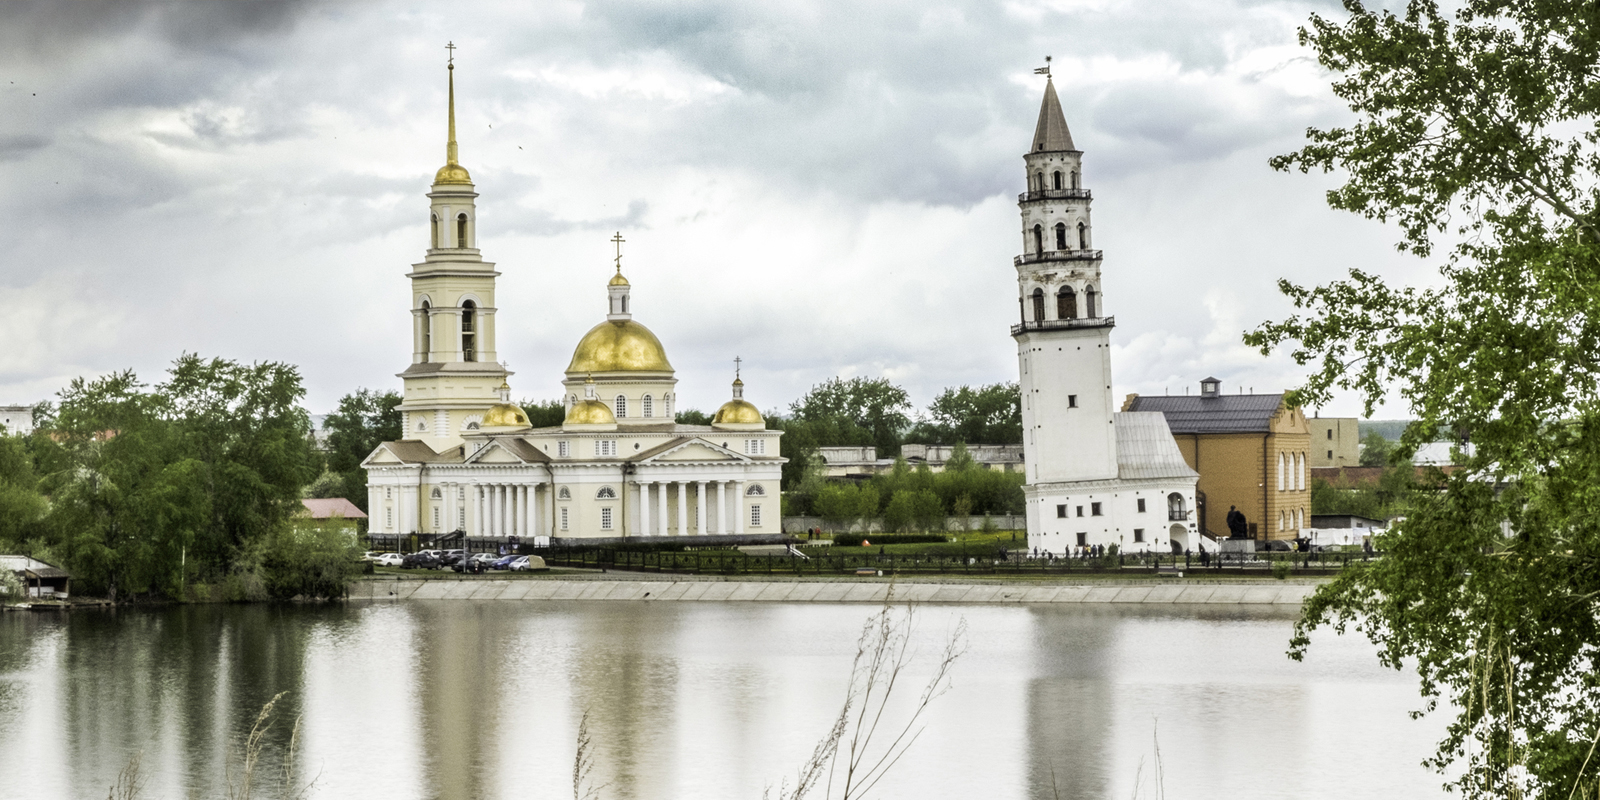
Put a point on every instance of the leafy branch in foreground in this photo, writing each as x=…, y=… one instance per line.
x=1476, y=130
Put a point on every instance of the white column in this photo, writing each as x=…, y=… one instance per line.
x=700, y=504
x=535, y=512
x=499, y=510
x=722, y=506
x=683, y=508
x=661, y=509
x=644, y=507
x=375, y=508
x=522, y=510
x=738, y=507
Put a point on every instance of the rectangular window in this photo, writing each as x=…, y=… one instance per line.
x=563, y=518
x=1138, y=534
x=1330, y=433
x=388, y=518
x=564, y=449
x=1083, y=539
x=1072, y=401
x=1061, y=512
x=605, y=447
x=1094, y=509
x=1330, y=455
x=755, y=447
x=1141, y=505
x=436, y=516
x=605, y=518
x=755, y=516
x=1080, y=511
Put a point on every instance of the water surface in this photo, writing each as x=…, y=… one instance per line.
x=462, y=699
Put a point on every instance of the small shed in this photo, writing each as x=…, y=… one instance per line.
x=39, y=579
x=331, y=508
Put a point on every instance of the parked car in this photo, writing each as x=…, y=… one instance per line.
x=504, y=562
x=422, y=560
x=527, y=564
x=476, y=563
x=449, y=558
x=388, y=559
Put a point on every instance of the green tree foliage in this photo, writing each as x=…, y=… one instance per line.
x=1383, y=499
x=544, y=413
x=1475, y=132
x=362, y=421
x=960, y=460
x=22, y=507
x=693, y=416
x=985, y=415
x=1375, y=450
x=310, y=559
x=858, y=411
x=190, y=474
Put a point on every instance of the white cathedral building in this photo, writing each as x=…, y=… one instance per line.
x=618, y=466
x=1095, y=476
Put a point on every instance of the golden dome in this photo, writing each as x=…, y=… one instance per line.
x=738, y=412
x=618, y=280
x=452, y=173
x=590, y=412
x=505, y=415
x=619, y=346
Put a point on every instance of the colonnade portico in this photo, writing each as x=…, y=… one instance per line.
x=496, y=509
x=712, y=517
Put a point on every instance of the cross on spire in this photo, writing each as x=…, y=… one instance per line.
x=737, y=361
x=451, y=46
x=618, y=240
x=1044, y=70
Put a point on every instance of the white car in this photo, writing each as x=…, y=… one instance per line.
x=527, y=563
x=388, y=559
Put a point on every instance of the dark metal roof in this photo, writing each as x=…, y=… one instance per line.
x=1229, y=413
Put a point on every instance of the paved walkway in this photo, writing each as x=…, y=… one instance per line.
x=843, y=591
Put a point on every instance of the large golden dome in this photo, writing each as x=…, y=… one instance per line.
x=738, y=412
x=619, y=346
x=452, y=173
x=505, y=415
x=590, y=412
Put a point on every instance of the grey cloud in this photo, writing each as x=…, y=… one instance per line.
x=16, y=146
x=540, y=222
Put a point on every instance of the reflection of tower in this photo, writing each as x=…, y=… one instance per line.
x=1070, y=703
x=460, y=686
x=631, y=696
x=453, y=373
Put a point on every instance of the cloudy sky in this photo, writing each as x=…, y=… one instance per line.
x=821, y=188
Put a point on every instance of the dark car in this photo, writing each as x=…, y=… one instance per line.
x=477, y=563
x=420, y=561
x=451, y=557
x=504, y=562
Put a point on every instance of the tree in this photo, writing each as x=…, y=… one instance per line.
x=873, y=405
x=985, y=415
x=960, y=460
x=693, y=416
x=1375, y=450
x=544, y=413
x=362, y=421
x=1475, y=132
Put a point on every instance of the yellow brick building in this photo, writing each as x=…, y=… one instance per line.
x=1252, y=452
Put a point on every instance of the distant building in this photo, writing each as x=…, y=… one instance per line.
x=17, y=419
x=38, y=578
x=1251, y=451
x=325, y=509
x=1329, y=529
x=1335, y=442
x=1439, y=454
x=863, y=461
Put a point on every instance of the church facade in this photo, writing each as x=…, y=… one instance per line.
x=619, y=465
x=1094, y=476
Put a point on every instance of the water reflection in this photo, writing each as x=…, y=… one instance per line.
x=470, y=700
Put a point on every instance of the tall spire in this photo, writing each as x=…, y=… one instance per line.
x=452, y=171
x=1051, y=134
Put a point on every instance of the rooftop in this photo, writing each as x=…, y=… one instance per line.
x=1228, y=413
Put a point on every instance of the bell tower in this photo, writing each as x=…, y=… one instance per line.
x=1064, y=332
x=454, y=373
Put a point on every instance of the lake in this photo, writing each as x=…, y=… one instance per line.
x=464, y=699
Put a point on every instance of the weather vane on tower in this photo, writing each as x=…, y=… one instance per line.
x=618, y=240
x=1044, y=70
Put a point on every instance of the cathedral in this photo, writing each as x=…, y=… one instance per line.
x=1095, y=476
x=618, y=466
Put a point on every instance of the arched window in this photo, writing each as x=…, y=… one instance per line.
x=427, y=329
x=1281, y=473
x=433, y=227
x=1175, y=509
x=622, y=406
x=1283, y=521
x=1083, y=236
x=755, y=490
x=1074, y=179
x=606, y=493
x=1300, y=471
x=1089, y=304
x=649, y=406
x=1066, y=303
x=564, y=494
x=461, y=230
x=469, y=331
x=437, y=495
x=1038, y=239
x=1061, y=235
x=1038, y=305
x=1038, y=181
x=1057, y=179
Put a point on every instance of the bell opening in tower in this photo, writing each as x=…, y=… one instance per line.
x=469, y=337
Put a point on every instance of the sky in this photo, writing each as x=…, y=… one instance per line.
x=821, y=189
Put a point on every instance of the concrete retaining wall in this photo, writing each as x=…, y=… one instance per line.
x=832, y=591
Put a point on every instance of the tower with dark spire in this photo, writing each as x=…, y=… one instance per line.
x=1063, y=332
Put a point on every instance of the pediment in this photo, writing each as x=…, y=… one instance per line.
x=693, y=450
x=383, y=455
x=495, y=454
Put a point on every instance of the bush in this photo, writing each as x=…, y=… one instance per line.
x=311, y=560
x=855, y=539
x=10, y=587
x=901, y=512
x=1281, y=569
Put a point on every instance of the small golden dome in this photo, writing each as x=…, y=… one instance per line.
x=738, y=412
x=618, y=280
x=452, y=173
x=505, y=415
x=619, y=346
x=590, y=412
